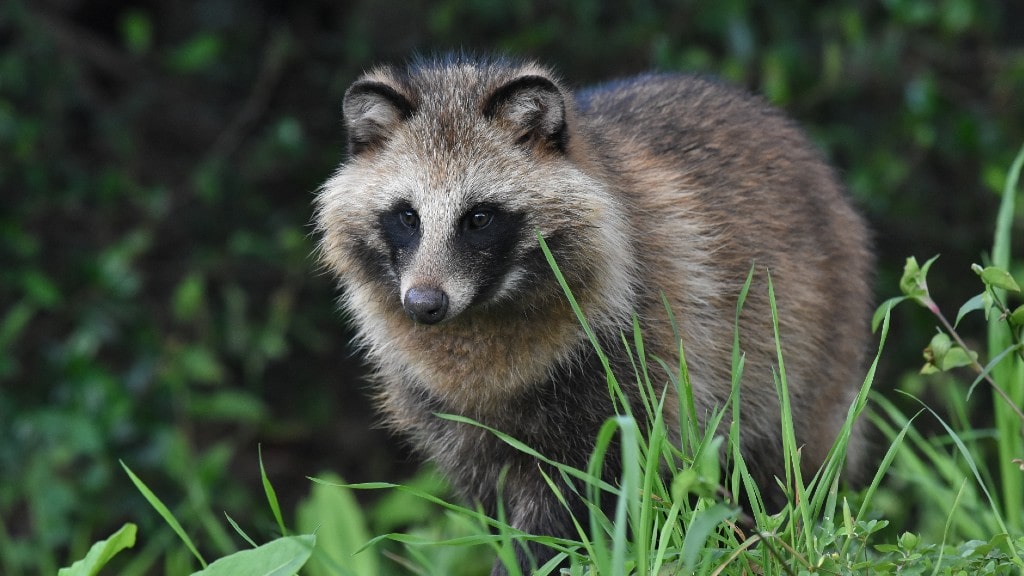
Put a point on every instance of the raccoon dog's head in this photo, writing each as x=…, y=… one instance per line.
x=455, y=166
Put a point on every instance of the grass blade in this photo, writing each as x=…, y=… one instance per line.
x=1010, y=375
x=268, y=488
x=164, y=512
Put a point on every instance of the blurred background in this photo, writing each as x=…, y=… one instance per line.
x=159, y=303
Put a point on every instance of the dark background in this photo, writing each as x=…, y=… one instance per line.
x=159, y=301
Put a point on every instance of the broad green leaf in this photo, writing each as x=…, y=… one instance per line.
x=332, y=512
x=101, y=553
x=281, y=557
x=396, y=508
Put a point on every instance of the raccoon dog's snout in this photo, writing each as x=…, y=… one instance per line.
x=425, y=304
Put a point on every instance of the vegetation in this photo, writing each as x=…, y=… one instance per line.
x=159, y=305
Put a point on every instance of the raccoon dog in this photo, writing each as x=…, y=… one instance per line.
x=662, y=183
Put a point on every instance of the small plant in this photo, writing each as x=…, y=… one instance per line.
x=1004, y=370
x=282, y=556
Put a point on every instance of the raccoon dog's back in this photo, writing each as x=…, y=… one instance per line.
x=658, y=184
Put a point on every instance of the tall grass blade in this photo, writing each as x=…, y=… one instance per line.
x=1010, y=376
x=164, y=512
x=612, y=389
x=268, y=488
x=969, y=459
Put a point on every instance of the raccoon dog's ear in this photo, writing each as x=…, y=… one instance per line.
x=534, y=106
x=372, y=112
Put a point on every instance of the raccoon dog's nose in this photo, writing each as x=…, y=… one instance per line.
x=426, y=305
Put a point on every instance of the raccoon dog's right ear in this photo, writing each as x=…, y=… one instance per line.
x=372, y=111
x=534, y=106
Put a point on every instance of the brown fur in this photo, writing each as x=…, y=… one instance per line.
x=661, y=183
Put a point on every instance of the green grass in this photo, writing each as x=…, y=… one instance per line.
x=942, y=503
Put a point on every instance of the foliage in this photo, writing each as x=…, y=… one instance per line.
x=689, y=523
x=158, y=300
x=280, y=557
x=101, y=553
x=1003, y=373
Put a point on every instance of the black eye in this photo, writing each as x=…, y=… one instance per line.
x=478, y=219
x=409, y=218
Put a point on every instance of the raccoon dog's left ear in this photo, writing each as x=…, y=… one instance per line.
x=534, y=106
x=372, y=111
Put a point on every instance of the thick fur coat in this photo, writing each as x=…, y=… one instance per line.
x=662, y=183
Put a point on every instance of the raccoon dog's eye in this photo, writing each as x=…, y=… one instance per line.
x=478, y=219
x=409, y=218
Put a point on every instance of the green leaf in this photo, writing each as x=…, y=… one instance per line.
x=1017, y=316
x=710, y=466
x=268, y=489
x=101, y=553
x=938, y=348
x=196, y=54
x=40, y=289
x=397, y=508
x=975, y=303
x=887, y=548
x=164, y=512
x=957, y=357
x=911, y=273
x=882, y=310
x=228, y=406
x=281, y=557
x=14, y=322
x=137, y=31
x=684, y=483
x=914, y=282
x=908, y=540
x=998, y=278
x=201, y=364
x=188, y=297
x=704, y=523
x=942, y=354
x=334, y=514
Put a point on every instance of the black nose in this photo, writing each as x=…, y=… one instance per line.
x=426, y=305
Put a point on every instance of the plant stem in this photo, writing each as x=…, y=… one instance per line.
x=975, y=364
